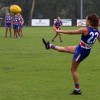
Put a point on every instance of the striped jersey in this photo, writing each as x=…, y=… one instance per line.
x=58, y=23
x=88, y=40
x=8, y=19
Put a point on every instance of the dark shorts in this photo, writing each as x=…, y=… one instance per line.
x=8, y=24
x=15, y=27
x=81, y=54
x=57, y=27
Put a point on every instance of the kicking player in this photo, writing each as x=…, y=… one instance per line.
x=57, y=25
x=89, y=35
x=8, y=24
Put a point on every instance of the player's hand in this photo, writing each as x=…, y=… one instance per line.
x=56, y=30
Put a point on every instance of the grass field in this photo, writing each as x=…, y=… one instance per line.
x=29, y=72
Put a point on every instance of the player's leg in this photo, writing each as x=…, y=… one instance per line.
x=75, y=64
x=18, y=32
x=6, y=32
x=67, y=49
x=10, y=31
x=60, y=37
x=21, y=33
x=75, y=77
x=54, y=37
x=79, y=55
x=15, y=33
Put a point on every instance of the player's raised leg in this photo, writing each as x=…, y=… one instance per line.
x=67, y=49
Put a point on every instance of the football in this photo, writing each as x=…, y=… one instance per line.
x=15, y=9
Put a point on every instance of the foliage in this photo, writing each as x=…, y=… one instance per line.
x=52, y=8
x=3, y=11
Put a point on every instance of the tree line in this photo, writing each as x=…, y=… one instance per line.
x=69, y=9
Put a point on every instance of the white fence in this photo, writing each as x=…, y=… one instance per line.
x=81, y=22
x=40, y=22
x=66, y=22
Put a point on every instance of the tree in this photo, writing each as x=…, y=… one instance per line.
x=32, y=9
x=53, y=8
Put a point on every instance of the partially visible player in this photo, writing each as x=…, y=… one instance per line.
x=8, y=24
x=89, y=35
x=57, y=24
x=16, y=26
x=21, y=22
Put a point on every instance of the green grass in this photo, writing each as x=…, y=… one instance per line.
x=29, y=72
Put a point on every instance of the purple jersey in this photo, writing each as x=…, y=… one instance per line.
x=15, y=21
x=88, y=40
x=83, y=49
x=58, y=23
x=8, y=19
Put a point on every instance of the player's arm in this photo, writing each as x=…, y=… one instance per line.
x=22, y=20
x=71, y=32
x=18, y=22
x=54, y=26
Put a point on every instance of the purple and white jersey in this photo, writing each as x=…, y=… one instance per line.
x=8, y=19
x=15, y=21
x=88, y=40
x=58, y=23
